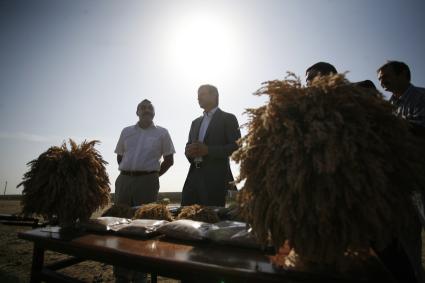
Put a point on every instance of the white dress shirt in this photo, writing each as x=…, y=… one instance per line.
x=142, y=149
x=205, y=123
x=204, y=127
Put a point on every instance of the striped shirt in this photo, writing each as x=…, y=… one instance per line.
x=411, y=105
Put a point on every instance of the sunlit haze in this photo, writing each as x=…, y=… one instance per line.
x=78, y=69
x=202, y=47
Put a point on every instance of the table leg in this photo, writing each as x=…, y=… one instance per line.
x=37, y=263
x=153, y=278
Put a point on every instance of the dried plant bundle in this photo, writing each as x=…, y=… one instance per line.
x=119, y=210
x=199, y=213
x=69, y=184
x=327, y=167
x=153, y=211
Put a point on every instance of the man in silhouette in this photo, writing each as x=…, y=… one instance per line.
x=212, y=139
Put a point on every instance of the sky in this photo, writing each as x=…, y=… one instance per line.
x=78, y=69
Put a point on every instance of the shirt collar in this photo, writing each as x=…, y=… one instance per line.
x=211, y=112
x=150, y=127
x=408, y=89
x=395, y=99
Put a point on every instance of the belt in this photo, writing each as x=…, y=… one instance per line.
x=137, y=173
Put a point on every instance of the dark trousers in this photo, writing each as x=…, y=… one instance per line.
x=197, y=191
x=136, y=190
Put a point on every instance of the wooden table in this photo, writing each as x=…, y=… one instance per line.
x=198, y=262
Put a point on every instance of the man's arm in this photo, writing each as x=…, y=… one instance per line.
x=417, y=119
x=187, y=151
x=120, y=149
x=166, y=164
x=418, y=113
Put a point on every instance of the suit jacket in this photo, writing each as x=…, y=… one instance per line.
x=220, y=137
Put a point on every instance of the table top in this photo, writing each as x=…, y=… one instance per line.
x=179, y=259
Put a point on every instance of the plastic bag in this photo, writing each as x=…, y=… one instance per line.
x=103, y=224
x=140, y=227
x=232, y=233
x=185, y=229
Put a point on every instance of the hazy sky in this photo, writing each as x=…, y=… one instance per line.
x=77, y=69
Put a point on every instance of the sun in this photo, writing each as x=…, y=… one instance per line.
x=202, y=47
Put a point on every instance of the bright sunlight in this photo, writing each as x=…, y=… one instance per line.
x=202, y=47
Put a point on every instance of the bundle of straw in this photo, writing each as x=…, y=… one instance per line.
x=199, y=213
x=153, y=211
x=69, y=184
x=327, y=167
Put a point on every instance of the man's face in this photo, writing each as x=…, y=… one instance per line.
x=205, y=99
x=145, y=111
x=389, y=80
x=310, y=76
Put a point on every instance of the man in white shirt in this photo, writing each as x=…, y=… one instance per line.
x=139, y=151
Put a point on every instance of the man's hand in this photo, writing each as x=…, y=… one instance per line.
x=196, y=149
x=166, y=164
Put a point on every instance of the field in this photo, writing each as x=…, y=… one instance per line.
x=16, y=255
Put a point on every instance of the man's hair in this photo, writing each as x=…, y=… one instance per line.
x=211, y=90
x=144, y=101
x=366, y=84
x=398, y=67
x=323, y=68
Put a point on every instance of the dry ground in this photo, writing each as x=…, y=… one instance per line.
x=16, y=256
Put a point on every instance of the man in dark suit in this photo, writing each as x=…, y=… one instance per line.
x=212, y=139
